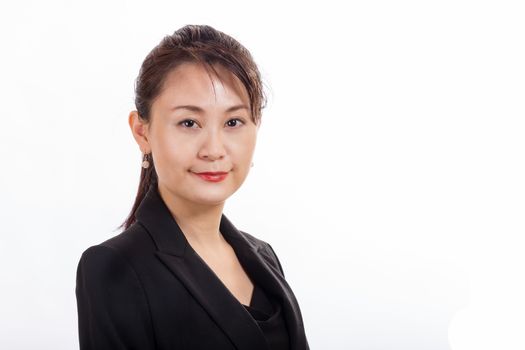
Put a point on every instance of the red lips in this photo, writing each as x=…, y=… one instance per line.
x=213, y=173
x=212, y=176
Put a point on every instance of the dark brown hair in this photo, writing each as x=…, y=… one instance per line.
x=191, y=44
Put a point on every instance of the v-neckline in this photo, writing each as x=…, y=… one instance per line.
x=254, y=255
x=221, y=282
x=250, y=304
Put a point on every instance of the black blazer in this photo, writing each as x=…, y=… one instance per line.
x=146, y=288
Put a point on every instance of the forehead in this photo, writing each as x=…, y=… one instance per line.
x=201, y=85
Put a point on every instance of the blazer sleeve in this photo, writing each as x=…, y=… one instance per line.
x=113, y=312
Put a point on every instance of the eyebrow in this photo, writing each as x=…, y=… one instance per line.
x=199, y=109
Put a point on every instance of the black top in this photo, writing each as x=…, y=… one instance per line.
x=147, y=289
x=267, y=313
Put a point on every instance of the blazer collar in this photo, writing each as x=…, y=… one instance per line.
x=165, y=231
x=177, y=254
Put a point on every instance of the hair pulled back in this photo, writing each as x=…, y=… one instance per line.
x=201, y=44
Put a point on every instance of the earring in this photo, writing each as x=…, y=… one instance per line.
x=252, y=164
x=145, y=161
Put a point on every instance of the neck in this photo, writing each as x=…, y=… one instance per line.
x=198, y=222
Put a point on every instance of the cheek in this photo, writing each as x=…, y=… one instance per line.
x=246, y=144
x=170, y=145
x=242, y=153
x=173, y=156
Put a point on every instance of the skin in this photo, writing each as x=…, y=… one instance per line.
x=183, y=141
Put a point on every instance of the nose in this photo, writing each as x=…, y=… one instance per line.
x=213, y=146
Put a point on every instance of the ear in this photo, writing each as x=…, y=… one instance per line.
x=140, y=131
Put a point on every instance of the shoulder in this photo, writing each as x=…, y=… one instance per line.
x=111, y=300
x=104, y=276
x=113, y=254
x=112, y=268
x=257, y=242
x=103, y=263
x=118, y=253
x=131, y=241
x=265, y=250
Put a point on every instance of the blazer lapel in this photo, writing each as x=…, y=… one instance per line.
x=270, y=279
x=178, y=255
x=215, y=298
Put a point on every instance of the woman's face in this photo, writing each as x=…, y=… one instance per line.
x=201, y=124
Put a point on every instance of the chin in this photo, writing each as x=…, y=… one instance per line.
x=212, y=198
x=211, y=201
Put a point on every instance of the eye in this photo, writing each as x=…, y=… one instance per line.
x=229, y=122
x=188, y=123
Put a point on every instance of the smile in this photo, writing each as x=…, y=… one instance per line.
x=212, y=177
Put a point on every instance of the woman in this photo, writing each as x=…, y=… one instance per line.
x=181, y=275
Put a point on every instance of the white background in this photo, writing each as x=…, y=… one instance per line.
x=390, y=159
